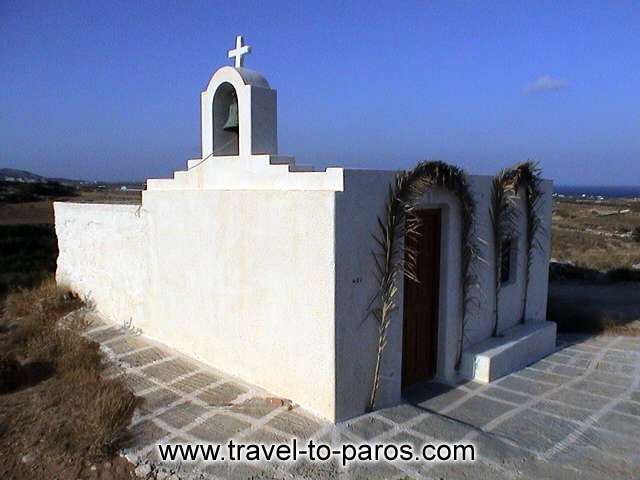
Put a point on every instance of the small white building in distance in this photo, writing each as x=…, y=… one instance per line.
x=267, y=270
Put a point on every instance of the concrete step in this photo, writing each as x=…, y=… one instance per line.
x=281, y=160
x=516, y=348
x=301, y=168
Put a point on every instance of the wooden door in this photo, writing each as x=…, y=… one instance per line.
x=420, y=331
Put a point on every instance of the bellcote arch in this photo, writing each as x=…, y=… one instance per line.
x=257, y=114
x=251, y=161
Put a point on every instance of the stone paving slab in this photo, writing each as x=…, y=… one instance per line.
x=574, y=414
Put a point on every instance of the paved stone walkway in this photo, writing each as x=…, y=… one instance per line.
x=573, y=415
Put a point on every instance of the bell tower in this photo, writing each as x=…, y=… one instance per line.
x=239, y=116
x=239, y=134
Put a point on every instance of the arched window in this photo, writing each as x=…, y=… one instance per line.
x=226, y=128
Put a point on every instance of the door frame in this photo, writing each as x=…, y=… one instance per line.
x=439, y=212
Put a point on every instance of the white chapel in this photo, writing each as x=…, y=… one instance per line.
x=265, y=269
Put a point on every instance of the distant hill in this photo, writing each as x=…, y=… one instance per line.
x=15, y=175
x=23, y=176
x=18, y=186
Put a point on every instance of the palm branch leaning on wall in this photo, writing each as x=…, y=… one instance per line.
x=507, y=184
x=502, y=214
x=527, y=177
x=393, y=258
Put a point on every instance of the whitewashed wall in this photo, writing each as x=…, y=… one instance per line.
x=356, y=211
x=273, y=285
x=356, y=334
x=103, y=256
x=243, y=280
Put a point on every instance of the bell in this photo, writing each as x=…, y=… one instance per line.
x=231, y=125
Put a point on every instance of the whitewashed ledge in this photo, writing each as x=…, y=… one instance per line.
x=518, y=347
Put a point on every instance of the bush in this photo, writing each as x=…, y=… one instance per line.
x=565, y=271
x=46, y=300
x=36, y=312
x=623, y=275
x=575, y=318
x=636, y=234
x=65, y=350
x=9, y=374
x=99, y=412
x=27, y=255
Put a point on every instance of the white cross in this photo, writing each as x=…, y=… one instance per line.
x=239, y=51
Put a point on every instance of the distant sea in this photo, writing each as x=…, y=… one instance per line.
x=598, y=191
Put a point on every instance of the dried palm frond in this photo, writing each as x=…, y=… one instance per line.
x=395, y=256
x=527, y=178
x=502, y=214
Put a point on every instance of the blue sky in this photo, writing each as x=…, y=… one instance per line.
x=110, y=90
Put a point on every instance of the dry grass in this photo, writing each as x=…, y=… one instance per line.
x=54, y=405
x=585, y=237
x=45, y=303
x=101, y=411
x=85, y=414
x=592, y=250
x=35, y=314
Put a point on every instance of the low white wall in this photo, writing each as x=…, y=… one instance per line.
x=518, y=347
x=103, y=256
x=243, y=280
